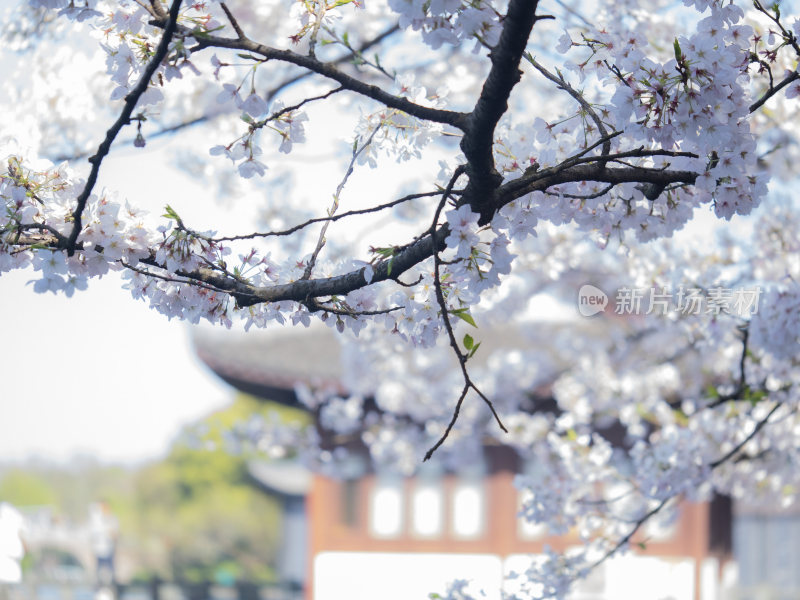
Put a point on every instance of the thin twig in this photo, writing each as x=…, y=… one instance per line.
x=602, y=192
x=278, y=114
x=573, y=12
x=124, y=118
x=450, y=425
x=189, y=282
x=321, y=240
x=357, y=55
x=329, y=70
x=269, y=95
x=741, y=444
x=350, y=213
x=578, y=96
x=462, y=358
x=636, y=526
x=642, y=520
x=317, y=306
x=793, y=76
x=233, y=21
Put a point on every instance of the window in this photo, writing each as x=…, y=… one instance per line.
x=427, y=507
x=468, y=509
x=386, y=508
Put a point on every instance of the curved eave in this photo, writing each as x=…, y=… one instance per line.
x=271, y=364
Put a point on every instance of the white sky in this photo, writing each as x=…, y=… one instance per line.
x=99, y=373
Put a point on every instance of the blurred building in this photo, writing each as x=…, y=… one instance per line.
x=408, y=536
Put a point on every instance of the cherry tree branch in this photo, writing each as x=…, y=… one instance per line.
x=651, y=513
x=433, y=241
x=791, y=77
x=279, y=113
x=462, y=358
x=760, y=425
x=234, y=23
x=268, y=96
x=304, y=224
x=478, y=141
x=578, y=96
x=124, y=118
x=329, y=70
x=321, y=241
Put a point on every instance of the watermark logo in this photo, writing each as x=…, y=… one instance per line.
x=685, y=300
x=591, y=300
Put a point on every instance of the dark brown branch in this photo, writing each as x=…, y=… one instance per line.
x=329, y=70
x=462, y=358
x=304, y=224
x=424, y=247
x=124, y=118
x=321, y=240
x=269, y=95
x=602, y=192
x=157, y=9
x=627, y=538
x=742, y=444
x=578, y=96
x=478, y=141
x=793, y=76
x=234, y=23
x=647, y=516
x=278, y=114
x=546, y=178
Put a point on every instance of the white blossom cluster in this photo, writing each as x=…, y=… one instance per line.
x=449, y=21
x=615, y=418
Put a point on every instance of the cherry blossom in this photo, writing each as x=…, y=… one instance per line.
x=598, y=151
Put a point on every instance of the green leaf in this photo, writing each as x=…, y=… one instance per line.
x=754, y=396
x=680, y=417
x=642, y=546
x=346, y=39
x=468, y=342
x=677, y=47
x=170, y=213
x=463, y=314
x=474, y=350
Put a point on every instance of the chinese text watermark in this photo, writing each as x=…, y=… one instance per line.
x=686, y=300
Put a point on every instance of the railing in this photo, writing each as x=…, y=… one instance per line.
x=151, y=591
x=763, y=592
